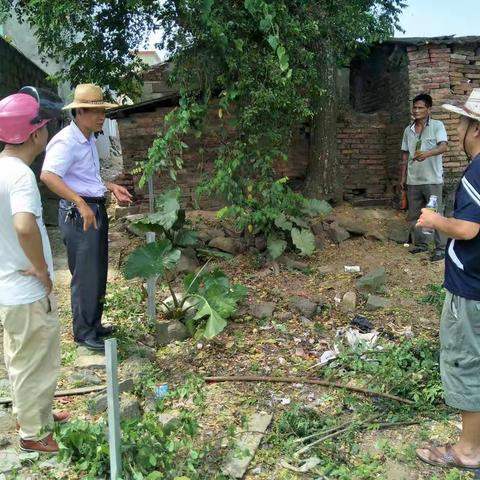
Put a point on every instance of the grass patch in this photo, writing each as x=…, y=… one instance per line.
x=435, y=296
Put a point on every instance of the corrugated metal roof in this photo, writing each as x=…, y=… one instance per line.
x=446, y=39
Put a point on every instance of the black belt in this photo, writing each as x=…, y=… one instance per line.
x=98, y=200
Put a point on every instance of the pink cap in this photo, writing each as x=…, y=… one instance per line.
x=19, y=118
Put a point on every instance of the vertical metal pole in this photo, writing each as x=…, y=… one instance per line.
x=113, y=409
x=151, y=282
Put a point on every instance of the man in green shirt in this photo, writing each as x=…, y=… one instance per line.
x=424, y=142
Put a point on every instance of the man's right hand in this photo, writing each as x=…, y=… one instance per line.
x=41, y=275
x=88, y=215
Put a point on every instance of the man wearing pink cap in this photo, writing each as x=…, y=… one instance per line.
x=460, y=321
x=31, y=327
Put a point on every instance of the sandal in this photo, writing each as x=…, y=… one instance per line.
x=447, y=459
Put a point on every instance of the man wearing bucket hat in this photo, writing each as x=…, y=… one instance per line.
x=460, y=321
x=31, y=326
x=72, y=170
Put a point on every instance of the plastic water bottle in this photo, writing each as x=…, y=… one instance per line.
x=433, y=206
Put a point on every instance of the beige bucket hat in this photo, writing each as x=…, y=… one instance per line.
x=471, y=108
x=88, y=95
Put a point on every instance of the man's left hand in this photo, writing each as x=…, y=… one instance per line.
x=421, y=156
x=428, y=219
x=121, y=193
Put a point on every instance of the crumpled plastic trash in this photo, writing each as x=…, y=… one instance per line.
x=355, y=339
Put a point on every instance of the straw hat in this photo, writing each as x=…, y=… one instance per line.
x=471, y=109
x=88, y=95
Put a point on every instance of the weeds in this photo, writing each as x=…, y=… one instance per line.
x=409, y=369
x=435, y=297
x=150, y=450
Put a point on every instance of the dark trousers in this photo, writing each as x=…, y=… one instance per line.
x=87, y=254
x=418, y=196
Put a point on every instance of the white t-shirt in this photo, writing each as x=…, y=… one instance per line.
x=19, y=193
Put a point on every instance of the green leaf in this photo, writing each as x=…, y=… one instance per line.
x=217, y=301
x=314, y=207
x=152, y=259
x=147, y=225
x=238, y=44
x=186, y=238
x=282, y=222
x=273, y=41
x=299, y=222
x=214, y=279
x=275, y=246
x=167, y=206
x=215, y=322
x=191, y=282
x=303, y=240
x=158, y=476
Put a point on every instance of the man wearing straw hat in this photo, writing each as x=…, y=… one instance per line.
x=72, y=170
x=460, y=321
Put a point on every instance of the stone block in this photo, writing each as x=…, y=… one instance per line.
x=303, y=305
x=225, y=244
x=373, y=282
x=375, y=302
x=262, y=309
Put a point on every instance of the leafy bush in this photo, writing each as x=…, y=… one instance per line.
x=209, y=295
x=277, y=213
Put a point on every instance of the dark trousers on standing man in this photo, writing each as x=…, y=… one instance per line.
x=87, y=254
x=418, y=197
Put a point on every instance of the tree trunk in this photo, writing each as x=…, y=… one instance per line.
x=323, y=179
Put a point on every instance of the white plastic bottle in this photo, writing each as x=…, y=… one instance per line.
x=433, y=206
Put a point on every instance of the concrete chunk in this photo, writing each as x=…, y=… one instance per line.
x=236, y=465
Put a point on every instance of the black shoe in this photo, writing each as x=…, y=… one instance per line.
x=437, y=256
x=104, y=331
x=97, y=345
x=414, y=250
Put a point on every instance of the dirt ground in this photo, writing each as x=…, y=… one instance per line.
x=248, y=346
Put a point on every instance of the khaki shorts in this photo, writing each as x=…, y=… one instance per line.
x=460, y=352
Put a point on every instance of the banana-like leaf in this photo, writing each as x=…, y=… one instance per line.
x=299, y=222
x=152, y=259
x=314, y=207
x=215, y=322
x=304, y=240
x=217, y=300
x=167, y=214
x=283, y=223
x=275, y=246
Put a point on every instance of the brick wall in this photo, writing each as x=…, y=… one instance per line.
x=138, y=130
x=370, y=127
x=361, y=146
x=448, y=73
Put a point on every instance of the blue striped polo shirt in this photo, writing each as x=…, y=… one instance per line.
x=462, y=262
